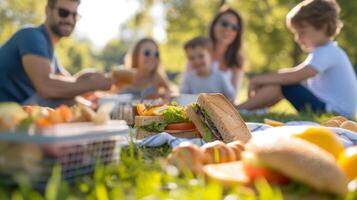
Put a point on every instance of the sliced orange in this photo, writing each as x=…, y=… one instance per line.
x=347, y=160
x=65, y=112
x=141, y=109
x=323, y=138
x=273, y=122
x=43, y=122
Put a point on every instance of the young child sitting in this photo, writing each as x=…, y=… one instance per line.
x=204, y=79
x=331, y=83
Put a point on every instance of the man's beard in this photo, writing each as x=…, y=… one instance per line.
x=56, y=29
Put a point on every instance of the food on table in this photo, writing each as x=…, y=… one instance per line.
x=172, y=119
x=217, y=152
x=228, y=174
x=347, y=160
x=323, y=138
x=273, y=122
x=11, y=115
x=82, y=113
x=335, y=121
x=298, y=160
x=213, y=152
x=349, y=125
x=237, y=147
x=103, y=114
x=217, y=119
x=187, y=156
x=284, y=161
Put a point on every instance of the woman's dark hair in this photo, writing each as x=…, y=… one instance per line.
x=232, y=56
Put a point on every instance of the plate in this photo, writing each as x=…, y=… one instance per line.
x=348, y=138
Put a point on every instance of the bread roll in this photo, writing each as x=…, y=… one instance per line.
x=187, y=157
x=237, y=147
x=217, y=152
x=349, y=125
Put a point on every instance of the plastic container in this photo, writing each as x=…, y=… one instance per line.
x=76, y=147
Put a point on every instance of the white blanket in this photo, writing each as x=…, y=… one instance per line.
x=347, y=137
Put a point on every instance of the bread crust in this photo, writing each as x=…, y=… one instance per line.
x=225, y=117
x=228, y=174
x=301, y=161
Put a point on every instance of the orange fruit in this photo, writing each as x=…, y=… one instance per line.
x=347, y=160
x=65, y=112
x=323, y=138
x=140, y=108
x=273, y=122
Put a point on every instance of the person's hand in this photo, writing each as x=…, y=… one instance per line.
x=86, y=74
x=253, y=87
x=98, y=81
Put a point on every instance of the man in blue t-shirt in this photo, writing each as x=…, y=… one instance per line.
x=29, y=69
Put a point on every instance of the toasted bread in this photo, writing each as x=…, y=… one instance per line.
x=224, y=115
x=228, y=174
x=145, y=120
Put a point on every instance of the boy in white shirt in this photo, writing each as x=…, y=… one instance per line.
x=204, y=79
x=331, y=83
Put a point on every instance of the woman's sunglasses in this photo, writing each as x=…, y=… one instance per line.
x=148, y=53
x=64, y=13
x=226, y=24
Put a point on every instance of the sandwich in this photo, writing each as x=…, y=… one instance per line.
x=217, y=119
x=293, y=164
x=171, y=119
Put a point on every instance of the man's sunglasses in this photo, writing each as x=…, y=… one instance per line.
x=226, y=24
x=148, y=53
x=64, y=13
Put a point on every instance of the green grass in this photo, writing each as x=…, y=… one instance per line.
x=143, y=174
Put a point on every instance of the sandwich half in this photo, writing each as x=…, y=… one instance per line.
x=169, y=118
x=217, y=119
x=301, y=169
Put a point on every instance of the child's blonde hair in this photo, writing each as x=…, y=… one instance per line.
x=317, y=13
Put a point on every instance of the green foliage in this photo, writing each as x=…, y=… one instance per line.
x=112, y=54
x=16, y=13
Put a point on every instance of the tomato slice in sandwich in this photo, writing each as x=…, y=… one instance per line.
x=255, y=172
x=181, y=126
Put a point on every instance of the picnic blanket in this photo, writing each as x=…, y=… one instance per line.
x=348, y=138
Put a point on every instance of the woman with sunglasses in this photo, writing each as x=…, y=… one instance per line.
x=150, y=80
x=226, y=34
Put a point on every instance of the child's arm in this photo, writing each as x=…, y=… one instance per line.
x=282, y=77
x=285, y=76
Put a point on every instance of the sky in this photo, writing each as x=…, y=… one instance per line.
x=101, y=20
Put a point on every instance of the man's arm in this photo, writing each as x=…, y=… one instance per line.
x=52, y=86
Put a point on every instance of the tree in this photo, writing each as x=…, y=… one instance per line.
x=16, y=13
x=112, y=54
x=74, y=55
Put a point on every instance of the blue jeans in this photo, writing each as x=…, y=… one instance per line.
x=302, y=98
